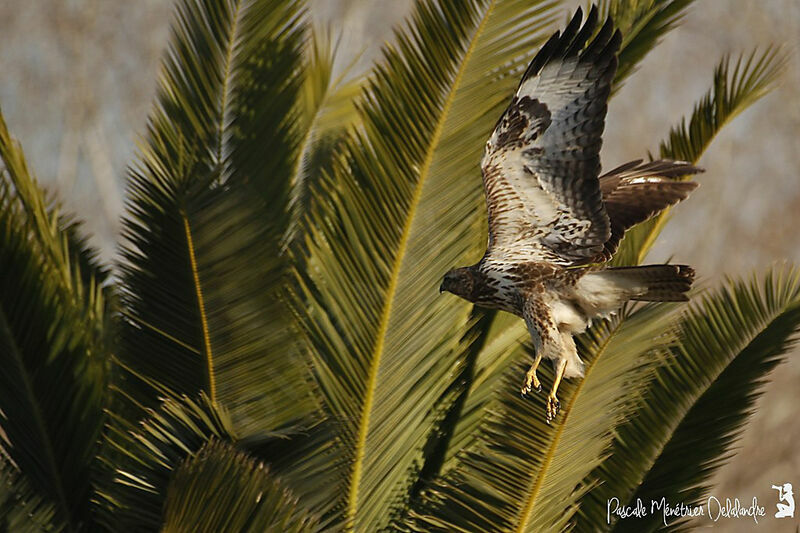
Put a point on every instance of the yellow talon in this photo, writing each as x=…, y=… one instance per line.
x=553, y=405
x=531, y=381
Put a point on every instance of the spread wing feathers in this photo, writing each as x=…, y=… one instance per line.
x=637, y=191
x=541, y=163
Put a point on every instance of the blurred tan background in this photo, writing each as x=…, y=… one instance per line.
x=77, y=77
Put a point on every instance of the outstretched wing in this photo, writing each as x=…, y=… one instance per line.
x=541, y=163
x=636, y=191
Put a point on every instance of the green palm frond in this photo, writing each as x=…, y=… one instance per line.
x=54, y=324
x=328, y=95
x=202, y=269
x=525, y=475
x=21, y=509
x=309, y=461
x=455, y=423
x=384, y=341
x=148, y=454
x=259, y=134
x=213, y=322
x=697, y=403
x=643, y=24
x=737, y=85
x=326, y=111
x=70, y=262
x=49, y=227
x=505, y=344
x=221, y=489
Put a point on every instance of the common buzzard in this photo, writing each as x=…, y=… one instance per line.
x=552, y=220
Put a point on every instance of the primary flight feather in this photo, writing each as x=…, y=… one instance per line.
x=553, y=218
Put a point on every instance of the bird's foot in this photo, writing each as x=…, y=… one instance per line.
x=531, y=382
x=553, y=406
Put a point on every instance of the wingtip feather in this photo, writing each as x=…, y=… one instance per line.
x=573, y=42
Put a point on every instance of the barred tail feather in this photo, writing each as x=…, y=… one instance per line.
x=657, y=283
x=601, y=293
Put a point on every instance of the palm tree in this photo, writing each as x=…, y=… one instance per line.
x=270, y=352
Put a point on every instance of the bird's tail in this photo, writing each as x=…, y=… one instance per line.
x=601, y=292
x=655, y=283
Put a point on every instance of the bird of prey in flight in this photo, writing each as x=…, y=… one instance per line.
x=553, y=220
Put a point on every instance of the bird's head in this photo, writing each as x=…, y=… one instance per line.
x=459, y=281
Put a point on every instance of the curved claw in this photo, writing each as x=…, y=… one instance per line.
x=531, y=382
x=553, y=407
x=528, y=387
